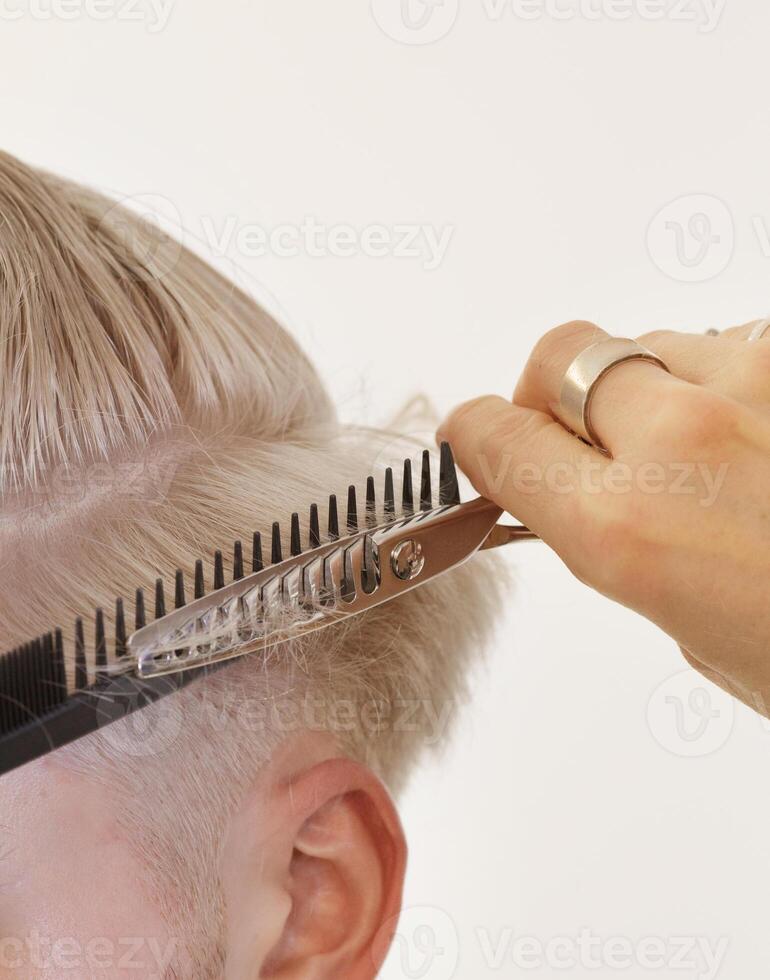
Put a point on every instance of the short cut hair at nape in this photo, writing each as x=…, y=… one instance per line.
x=150, y=413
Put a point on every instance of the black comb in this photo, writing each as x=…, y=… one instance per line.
x=45, y=704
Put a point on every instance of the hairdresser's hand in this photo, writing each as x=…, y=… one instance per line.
x=676, y=523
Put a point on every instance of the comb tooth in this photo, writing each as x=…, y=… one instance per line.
x=276, y=551
x=24, y=656
x=100, y=642
x=6, y=691
x=219, y=571
x=334, y=523
x=237, y=561
x=140, y=617
x=20, y=657
x=314, y=536
x=46, y=673
x=25, y=689
x=200, y=584
x=25, y=692
x=30, y=691
x=41, y=693
x=179, y=597
x=426, y=496
x=13, y=687
x=256, y=553
x=55, y=668
x=34, y=692
x=81, y=669
x=58, y=673
x=8, y=687
x=14, y=683
x=448, y=487
x=19, y=684
x=407, y=493
x=54, y=694
x=296, y=543
x=41, y=698
x=37, y=702
x=390, y=496
x=352, y=518
x=46, y=687
x=160, y=599
x=33, y=702
x=371, y=503
x=120, y=629
x=60, y=669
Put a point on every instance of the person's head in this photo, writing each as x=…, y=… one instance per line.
x=150, y=413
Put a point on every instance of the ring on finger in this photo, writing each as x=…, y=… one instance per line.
x=583, y=376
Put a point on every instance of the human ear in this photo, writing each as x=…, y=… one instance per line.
x=312, y=870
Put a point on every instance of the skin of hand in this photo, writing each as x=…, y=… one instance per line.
x=674, y=520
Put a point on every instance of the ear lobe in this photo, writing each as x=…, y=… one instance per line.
x=311, y=892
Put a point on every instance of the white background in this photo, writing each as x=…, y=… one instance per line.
x=547, y=145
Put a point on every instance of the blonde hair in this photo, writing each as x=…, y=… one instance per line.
x=150, y=413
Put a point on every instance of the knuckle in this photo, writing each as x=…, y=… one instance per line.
x=552, y=342
x=506, y=432
x=654, y=339
x=465, y=417
x=482, y=433
x=693, y=421
x=750, y=372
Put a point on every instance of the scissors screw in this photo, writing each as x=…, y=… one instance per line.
x=407, y=560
